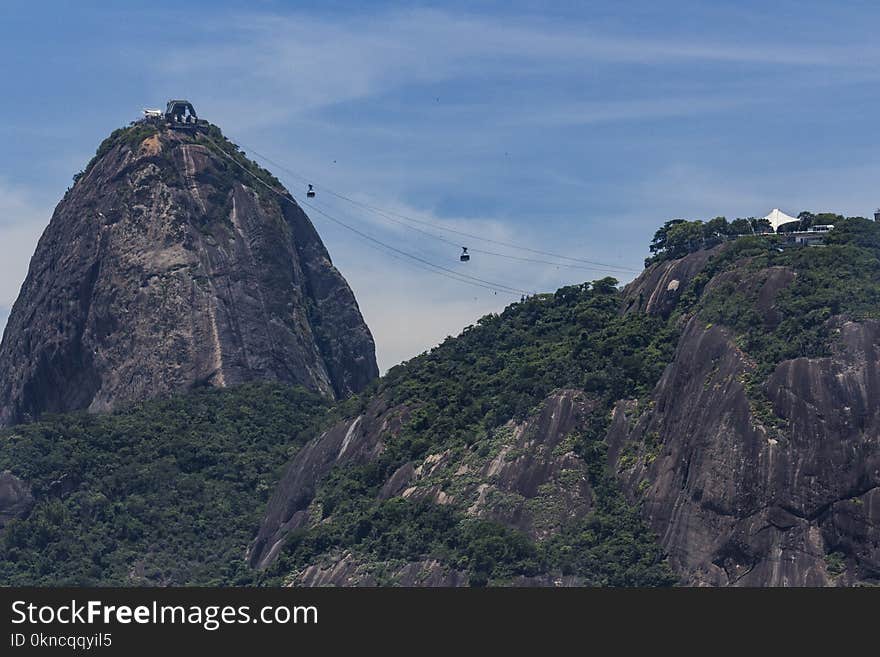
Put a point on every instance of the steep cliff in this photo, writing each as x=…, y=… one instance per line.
x=168, y=266
x=733, y=397
x=756, y=468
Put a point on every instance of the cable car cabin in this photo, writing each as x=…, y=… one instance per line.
x=311, y=192
x=465, y=256
x=181, y=115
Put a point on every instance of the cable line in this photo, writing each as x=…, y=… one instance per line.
x=487, y=284
x=438, y=269
x=596, y=266
x=491, y=253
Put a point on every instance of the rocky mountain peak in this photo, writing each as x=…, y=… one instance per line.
x=171, y=264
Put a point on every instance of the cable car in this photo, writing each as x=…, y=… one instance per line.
x=311, y=192
x=465, y=256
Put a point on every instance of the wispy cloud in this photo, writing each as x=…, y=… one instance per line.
x=17, y=206
x=648, y=109
x=301, y=62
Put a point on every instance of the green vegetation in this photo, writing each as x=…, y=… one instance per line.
x=835, y=562
x=506, y=364
x=172, y=491
x=168, y=492
x=499, y=369
x=677, y=237
x=612, y=547
x=130, y=136
x=214, y=140
x=840, y=279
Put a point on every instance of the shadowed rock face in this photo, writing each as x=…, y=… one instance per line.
x=737, y=503
x=525, y=476
x=350, y=442
x=16, y=500
x=657, y=289
x=167, y=267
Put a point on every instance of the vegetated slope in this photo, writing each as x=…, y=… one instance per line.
x=164, y=493
x=481, y=461
x=165, y=267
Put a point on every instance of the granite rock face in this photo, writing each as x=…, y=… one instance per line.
x=349, y=442
x=168, y=266
x=346, y=569
x=736, y=502
x=657, y=290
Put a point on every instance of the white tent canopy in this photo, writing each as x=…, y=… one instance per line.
x=777, y=218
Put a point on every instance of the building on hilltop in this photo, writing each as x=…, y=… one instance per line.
x=778, y=218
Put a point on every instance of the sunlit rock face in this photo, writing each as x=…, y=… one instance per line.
x=167, y=266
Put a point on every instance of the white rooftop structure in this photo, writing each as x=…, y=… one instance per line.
x=777, y=218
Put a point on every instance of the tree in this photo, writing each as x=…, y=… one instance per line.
x=761, y=225
x=740, y=227
x=855, y=230
x=683, y=238
x=716, y=228
x=807, y=219
x=607, y=285
x=658, y=244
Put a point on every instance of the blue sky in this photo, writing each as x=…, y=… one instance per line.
x=575, y=129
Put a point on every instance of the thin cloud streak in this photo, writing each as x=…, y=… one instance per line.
x=303, y=63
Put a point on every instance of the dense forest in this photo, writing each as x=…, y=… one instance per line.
x=166, y=492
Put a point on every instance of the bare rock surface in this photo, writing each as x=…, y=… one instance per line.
x=165, y=267
x=738, y=503
x=658, y=288
x=351, y=441
x=16, y=499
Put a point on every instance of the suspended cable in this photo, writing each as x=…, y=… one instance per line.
x=492, y=285
x=597, y=266
x=490, y=253
x=417, y=265
x=439, y=269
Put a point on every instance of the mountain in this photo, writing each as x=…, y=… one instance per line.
x=731, y=394
x=756, y=458
x=175, y=262
x=712, y=423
